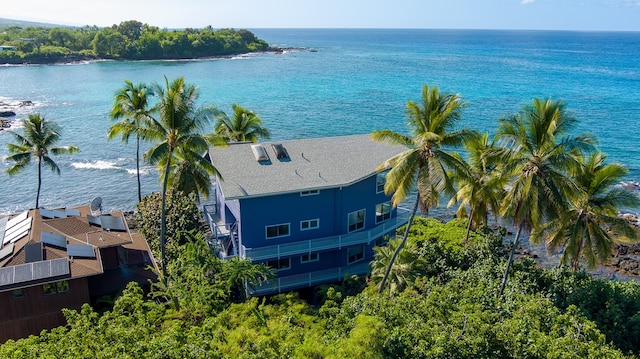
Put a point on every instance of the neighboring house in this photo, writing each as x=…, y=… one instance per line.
x=7, y=48
x=311, y=209
x=63, y=258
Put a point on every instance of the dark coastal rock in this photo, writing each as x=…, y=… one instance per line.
x=7, y=113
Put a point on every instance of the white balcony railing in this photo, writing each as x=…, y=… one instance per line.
x=287, y=283
x=326, y=243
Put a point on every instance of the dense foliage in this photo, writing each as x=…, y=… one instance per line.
x=130, y=40
x=451, y=312
x=182, y=216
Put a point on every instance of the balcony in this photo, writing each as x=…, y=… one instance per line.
x=326, y=243
x=283, y=284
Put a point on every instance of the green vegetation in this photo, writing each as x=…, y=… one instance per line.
x=422, y=165
x=245, y=125
x=130, y=40
x=449, y=309
x=182, y=216
x=36, y=143
x=131, y=110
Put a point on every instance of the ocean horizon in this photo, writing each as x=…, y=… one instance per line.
x=332, y=82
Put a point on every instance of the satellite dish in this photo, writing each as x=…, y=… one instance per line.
x=96, y=205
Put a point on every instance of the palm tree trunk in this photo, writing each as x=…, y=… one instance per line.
x=513, y=250
x=138, y=167
x=39, y=181
x=466, y=237
x=397, y=251
x=163, y=219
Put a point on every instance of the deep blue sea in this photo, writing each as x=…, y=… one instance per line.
x=343, y=82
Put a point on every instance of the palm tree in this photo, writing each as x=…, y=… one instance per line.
x=36, y=143
x=178, y=128
x=423, y=164
x=131, y=107
x=480, y=186
x=536, y=159
x=244, y=126
x=408, y=266
x=190, y=174
x=589, y=227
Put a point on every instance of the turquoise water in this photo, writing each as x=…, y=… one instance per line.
x=353, y=81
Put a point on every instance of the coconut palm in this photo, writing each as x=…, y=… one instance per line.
x=590, y=226
x=177, y=128
x=480, y=186
x=131, y=110
x=190, y=174
x=409, y=265
x=245, y=125
x=423, y=165
x=536, y=158
x=36, y=143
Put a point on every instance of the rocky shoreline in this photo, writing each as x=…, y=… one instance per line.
x=8, y=111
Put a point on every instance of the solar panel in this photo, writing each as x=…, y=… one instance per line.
x=6, y=276
x=17, y=232
x=112, y=223
x=22, y=273
x=60, y=213
x=6, y=251
x=16, y=227
x=94, y=220
x=81, y=250
x=33, y=271
x=46, y=213
x=73, y=212
x=3, y=226
x=53, y=239
x=17, y=219
x=59, y=267
x=33, y=252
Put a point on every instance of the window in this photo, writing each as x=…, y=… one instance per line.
x=57, y=287
x=309, y=224
x=381, y=179
x=17, y=294
x=279, y=230
x=311, y=257
x=310, y=193
x=279, y=264
x=355, y=254
x=383, y=212
x=356, y=220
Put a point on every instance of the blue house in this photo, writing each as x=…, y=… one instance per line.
x=311, y=209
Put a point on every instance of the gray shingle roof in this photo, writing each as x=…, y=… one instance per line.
x=312, y=164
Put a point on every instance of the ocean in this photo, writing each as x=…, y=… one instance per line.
x=335, y=82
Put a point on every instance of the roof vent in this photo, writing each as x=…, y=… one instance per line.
x=259, y=153
x=281, y=152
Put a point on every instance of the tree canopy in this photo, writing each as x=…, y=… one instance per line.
x=130, y=40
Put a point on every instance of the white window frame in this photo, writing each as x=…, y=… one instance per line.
x=312, y=192
x=381, y=217
x=361, y=255
x=266, y=230
x=309, y=222
x=310, y=259
x=279, y=260
x=364, y=217
x=381, y=176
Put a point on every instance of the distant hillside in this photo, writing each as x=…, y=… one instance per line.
x=11, y=22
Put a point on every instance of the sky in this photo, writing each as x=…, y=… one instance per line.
x=582, y=15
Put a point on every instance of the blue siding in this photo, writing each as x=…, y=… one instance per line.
x=330, y=206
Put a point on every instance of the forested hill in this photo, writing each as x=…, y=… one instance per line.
x=130, y=40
